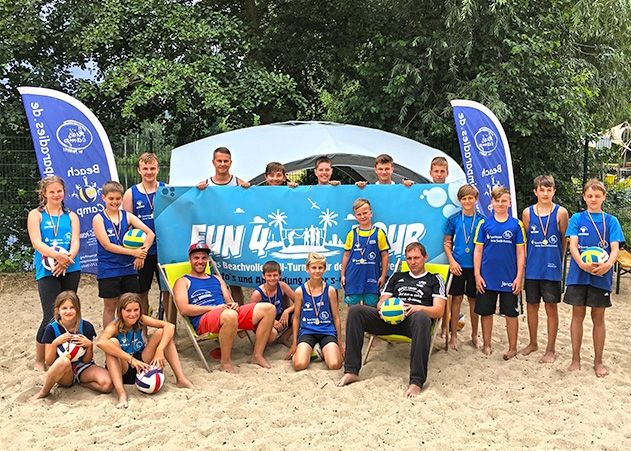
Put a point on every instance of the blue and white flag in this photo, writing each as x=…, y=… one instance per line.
x=247, y=227
x=486, y=158
x=71, y=143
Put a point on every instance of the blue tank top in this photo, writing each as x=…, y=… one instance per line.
x=364, y=264
x=111, y=264
x=310, y=323
x=63, y=239
x=143, y=209
x=544, y=259
x=277, y=300
x=204, y=292
x=131, y=341
x=57, y=329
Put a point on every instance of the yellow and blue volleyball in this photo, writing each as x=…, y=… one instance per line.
x=594, y=254
x=134, y=238
x=392, y=311
x=88, y=194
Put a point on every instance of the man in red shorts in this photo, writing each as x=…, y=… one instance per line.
x=207, y=302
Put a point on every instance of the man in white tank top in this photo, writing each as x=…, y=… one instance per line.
x=222, y=161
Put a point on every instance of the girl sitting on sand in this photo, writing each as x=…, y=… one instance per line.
x=127, y=350
x=65, y=330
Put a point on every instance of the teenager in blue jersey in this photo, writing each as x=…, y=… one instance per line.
x=459, y=247
x=316, y=319
x=589, y=284
x=206, y=300
x=365, y=260
x=66, y=328
x=117, y=267
x=128, y=350
x=545, y=224
x=276, y=292
x=52, y=224
x=140, y=200
x=423, y=295
x=499, y=259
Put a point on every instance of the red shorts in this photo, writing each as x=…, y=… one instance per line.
x=211, y=321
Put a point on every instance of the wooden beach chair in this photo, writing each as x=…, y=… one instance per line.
x=434, y=268
x=623, y=266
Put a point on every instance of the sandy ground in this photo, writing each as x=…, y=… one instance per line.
x=470, y=400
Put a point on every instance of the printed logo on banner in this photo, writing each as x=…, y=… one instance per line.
x=486, y=141
x=73, y=136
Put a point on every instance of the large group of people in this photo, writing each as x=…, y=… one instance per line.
x=490, y=259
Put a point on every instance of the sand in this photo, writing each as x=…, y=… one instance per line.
x=470, y=400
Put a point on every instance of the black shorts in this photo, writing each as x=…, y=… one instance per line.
x=463, y=284
x=129, y=377
x=146, y=273
x=548, y=290
x=312, y=339
x=113, y=287
x=587, y=296
x=486, y=303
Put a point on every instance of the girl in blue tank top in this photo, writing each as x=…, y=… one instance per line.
x=128, y=351
x=54, y=234
x=317, y=321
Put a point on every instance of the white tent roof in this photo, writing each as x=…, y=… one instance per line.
x=298, y=144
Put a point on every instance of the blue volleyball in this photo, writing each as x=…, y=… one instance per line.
x=150, y=381
x=392, y=311
x=134, y=238
x=594, y=254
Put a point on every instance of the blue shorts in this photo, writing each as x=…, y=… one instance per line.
x=366, y=299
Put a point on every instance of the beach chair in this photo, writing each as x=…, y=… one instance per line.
x=623, y=266
x=434, y=268
x=173, y=271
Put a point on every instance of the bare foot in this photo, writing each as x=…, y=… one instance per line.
x=412, y=391
x=228, y=368
x=574, y=366
x=548, y=357
x=37, y=396
x=453, y=343
x=39, y=366
x=260, y=361
x=529, y=349
x=122, y=402
x=184, y=383
x=510, y=354
x=476, y=342
x=348, y=378
x=600, y=370
x=486, y=350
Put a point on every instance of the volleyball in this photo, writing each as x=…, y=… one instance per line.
x=150, y=381
x=461, y=321
x=134, y=238
x=49, y=262
x=88, y=194
x=392, y=311
x=71, y=350
x=594, y=254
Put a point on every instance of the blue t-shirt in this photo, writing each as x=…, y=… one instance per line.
x=111, y=264
x=143, y=209
x=581, y=226
x=544, y=256
x=312, y=323
x=364, y=263
x=203, y=292
x=63, y=239
x=499, y=257
x=455, y=229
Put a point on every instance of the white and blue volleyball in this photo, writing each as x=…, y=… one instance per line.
x=49, y=262
x=134, y=238
x=150, y=381
x=392, y=311
x=594, y=254
x=72, y=351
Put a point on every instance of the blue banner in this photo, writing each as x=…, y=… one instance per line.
x=247, y=227
x=486, y=158
x=71, y=143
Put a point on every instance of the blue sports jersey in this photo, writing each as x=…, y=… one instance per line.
x=143, y=209
x=499, y=256
x=454, y=228
x=63, y=238
x=111, y=264
x=309, y=322
x=581, y=226
x=364, y=263
x=544, y=257
x=131, y=341
x=277, y=300
x=204, y=292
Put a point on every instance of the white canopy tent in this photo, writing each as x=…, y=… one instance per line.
x=298, y=144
